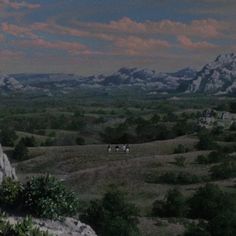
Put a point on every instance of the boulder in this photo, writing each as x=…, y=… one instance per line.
x=68, y=227
x=6, y=170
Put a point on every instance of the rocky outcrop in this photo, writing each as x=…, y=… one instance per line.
x=6, y=170
x=217, y=77
x=69, y=227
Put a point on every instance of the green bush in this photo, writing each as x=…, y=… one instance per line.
x=197, y=230
x=207, y=202
x=225, y=170
x=179, y=178
x=20, y=152
x=174, y=205
x=46, y=197
x=180, y=149
x=206, y=141
x=223, y=224
x=7, y=137
x=201, y=159
x=112, y=215
x=23, y=228
x=10, y=193
x=180, y=161
x=43, y=196
x=212, y=157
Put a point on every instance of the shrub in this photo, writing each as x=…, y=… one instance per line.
x=180, y=149
x=224, y=170
x=207, y=202
x=10, y=193
x=206, y=141
x=173, y=206
x=201, y=159
x=179, y=178
x=46, y=197
x=212, y=157
x=20, y=152
x=112, y=215
x=197, y=230
x=223, y=224
x=29, y=141
x=80, y=141
x=7, y=137
x=25, y=227
x=180, y=161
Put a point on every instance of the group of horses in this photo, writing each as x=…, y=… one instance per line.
x=124, y=148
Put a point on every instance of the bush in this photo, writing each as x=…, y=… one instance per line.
x=201, y=159
x=7, y=137
x=206, y=141
x=179, y=178
x=224, y=170
x=212, y=157
x=173, y=206
x=207, y=202
x=46, y=197
x=10, y=194
x=112, y=215
x=180, y=161
x=180, y=149
x=197, y=230
x=223, y=224
x=20, y=152
x=25, y=227
x=29, y=141
x=80, y=141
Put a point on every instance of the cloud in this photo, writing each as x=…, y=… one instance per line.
x=205, y=28
x=71, y=47
x=17, y=31
x=6, y=54
x=18, y=4
x=2, y=38
x=189, y=44
x=139, y=46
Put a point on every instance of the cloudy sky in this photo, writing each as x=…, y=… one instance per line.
x=100, y=36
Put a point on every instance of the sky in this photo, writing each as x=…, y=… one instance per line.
x=89, y=37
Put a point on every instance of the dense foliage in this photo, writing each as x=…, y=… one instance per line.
x=41, y=197
x=25, y=227
x=112, y=215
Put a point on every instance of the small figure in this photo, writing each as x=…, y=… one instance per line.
x=124, y=147
x=109, y=148
x=127, y=149
x=117, y=148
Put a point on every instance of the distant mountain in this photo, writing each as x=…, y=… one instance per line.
x=9, y=84
x=146, y=79
x=217, y=77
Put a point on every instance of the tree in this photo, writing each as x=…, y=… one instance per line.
x=112, y=215
x=206, y=141
x=47, y=197
x=7, y=137
x=174, y=205
x=20, y=152
x=207, y=202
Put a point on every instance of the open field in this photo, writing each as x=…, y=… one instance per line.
x=89, y=170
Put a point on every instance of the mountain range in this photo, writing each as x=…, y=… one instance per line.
x=217, y=77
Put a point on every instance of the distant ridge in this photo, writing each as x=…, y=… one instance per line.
x=217, y=77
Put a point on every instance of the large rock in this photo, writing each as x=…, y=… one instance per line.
x=69, y=227
x=6, y=170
